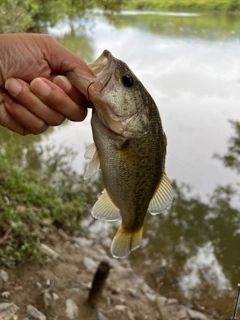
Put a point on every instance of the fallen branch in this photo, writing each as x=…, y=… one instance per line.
x=9, y=230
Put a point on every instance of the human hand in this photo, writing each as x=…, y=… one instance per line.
x=32, y=95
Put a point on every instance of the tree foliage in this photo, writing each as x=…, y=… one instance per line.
x=232, y=157
x=36, y=15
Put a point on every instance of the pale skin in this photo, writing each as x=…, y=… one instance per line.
x=34, y=94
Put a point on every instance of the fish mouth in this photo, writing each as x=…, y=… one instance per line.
x=102, y=68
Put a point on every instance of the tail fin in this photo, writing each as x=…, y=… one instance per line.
x=125, y=241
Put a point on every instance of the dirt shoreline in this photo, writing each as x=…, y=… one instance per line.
x=60, y=290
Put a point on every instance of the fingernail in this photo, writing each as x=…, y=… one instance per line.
x=7, y=98
x=13, y=86
x=63, y=83
x=40, y=87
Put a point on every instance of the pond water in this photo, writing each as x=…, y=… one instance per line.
x=190, y=65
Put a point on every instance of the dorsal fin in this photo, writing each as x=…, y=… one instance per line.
x=105, y=209
x=163, y=196
x=94, y=164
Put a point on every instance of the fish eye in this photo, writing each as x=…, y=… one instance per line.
x=127, y=80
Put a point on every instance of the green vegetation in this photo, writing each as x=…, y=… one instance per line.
x=36, y=15
x=38, y=192
x=186, y=5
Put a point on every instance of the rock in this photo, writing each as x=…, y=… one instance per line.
x=130, y=315
x=172, y=301
x=100, y=315
x=133, y=293
x=7, y=310
x=121, y=308
x=161, y=301
x=196, y=315
x=115, y=290
x=5, y=294
x=35, y=313
x=89, y=264
x=4, y=276
x=44, y=249
x=117, y=300
x=82, y=242
x=151, y=297
x=71, y=309
x=173, y=312
x=21, y=208
x=47, y=300
x=55, y=296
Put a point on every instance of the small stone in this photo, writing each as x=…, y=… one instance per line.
x=89, y=264
x=47, y=300
x=121, y=308
x=71, y=309
x=4, y=276
x=39, y=285
x=172, y=301
x=133, y=293
x=55, y=296
x=173, y=312
x=115, y=290
x=117, y=300
x=6, y=199
x=35, y=313
x=44, y=249
x=87, y=285
x=161, y=301
x=196, y=315
x=130, y=315
x=151, y=297
x=7, y=310
x=100, y=315
x=21, y=208
x=5, y=294
x=48, y=283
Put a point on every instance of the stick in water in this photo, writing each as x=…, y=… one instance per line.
x=98, y=282
x=237, y=304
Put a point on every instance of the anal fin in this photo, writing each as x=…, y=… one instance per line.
x=125, y=241
x=163, y=196
x=105, y=209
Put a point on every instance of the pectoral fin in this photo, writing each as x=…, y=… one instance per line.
x=125, y=241
x=91, y=149
x=105, y=209
x=94, y=164
x=163, y=196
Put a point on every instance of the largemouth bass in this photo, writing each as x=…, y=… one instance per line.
x=129, y=147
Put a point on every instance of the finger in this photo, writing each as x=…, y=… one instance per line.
x=55, y=97
x=72, y=91
x=20, y=90
x=22, y=123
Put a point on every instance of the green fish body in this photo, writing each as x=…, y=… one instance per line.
x=129, y=147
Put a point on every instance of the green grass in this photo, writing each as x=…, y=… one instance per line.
x=186, y=5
